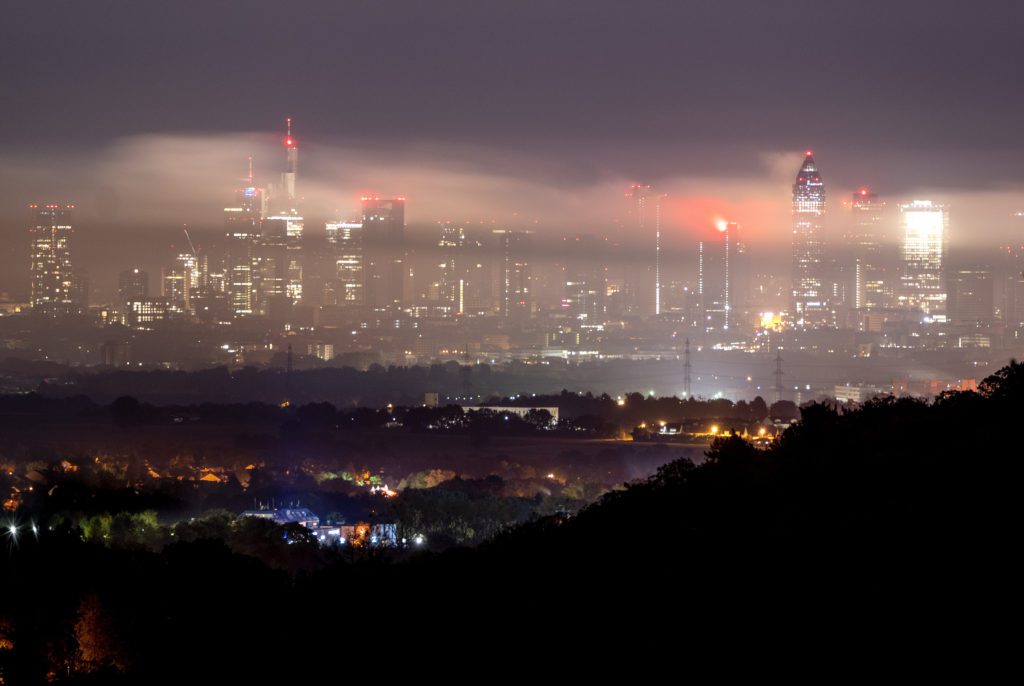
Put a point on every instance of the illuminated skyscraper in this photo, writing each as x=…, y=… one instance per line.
x=383, y=251
x=810, y=301
x=242, y=222
x=279, y=248
x=869, y=282
x=924, y=241
x=174, y=289
x=179, y=284
x=451, y=285
x=645, y=215
x=345, y=239
x=52, y=273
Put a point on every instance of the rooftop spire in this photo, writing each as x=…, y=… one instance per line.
x=289, y=141
x=808, y=170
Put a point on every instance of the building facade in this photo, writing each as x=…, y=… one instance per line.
x=811, y=306
x=53, y=278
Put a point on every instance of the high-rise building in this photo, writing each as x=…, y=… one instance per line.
x=174, y=289
x=242, y=222
x=178, y=284
x=810, y=301
x=869, y=282
x=279, y=258
x=279, y=254
x=645, y=216
x=133, y=285
x=80, y=290
x=970, y=301
x=452, y=279
x=513, y=277
x=52, y=272
x=1009, y=283
x=383, y=221
x=719, y=280
x=345, y=241
x=585, y=286
x=924, y=243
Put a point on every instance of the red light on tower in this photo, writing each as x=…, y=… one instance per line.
x=808, y=153
x=863, y=192
x=288, y=140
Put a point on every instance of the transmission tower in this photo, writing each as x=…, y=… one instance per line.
x=686, y=370
x=778, y=375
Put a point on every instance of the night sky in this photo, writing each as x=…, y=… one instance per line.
x=494, y=110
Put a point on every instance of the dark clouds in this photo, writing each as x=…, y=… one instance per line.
x=768, y=74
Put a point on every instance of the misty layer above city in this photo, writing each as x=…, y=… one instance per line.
x=527, y=115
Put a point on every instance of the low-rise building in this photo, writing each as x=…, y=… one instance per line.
x=286, y=515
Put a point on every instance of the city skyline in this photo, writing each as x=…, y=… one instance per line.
x=680, y=236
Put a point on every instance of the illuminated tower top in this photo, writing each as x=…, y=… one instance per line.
x=292, y=164
x=809, y=189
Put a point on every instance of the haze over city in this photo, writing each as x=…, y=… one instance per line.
x=549, y=134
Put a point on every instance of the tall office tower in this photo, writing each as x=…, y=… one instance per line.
x=189, y=264
x=242, y=222
x=870, y=285
x=585, y=285
x=453, y=277
x=174, y=288
x=811, y=306
x=383, y=251
x=80, y=289
x=345, y=240
x=924, y=243
x=970, y=301
x=180, y=283
x=645, y=216
x=478, y=263
x=513, y=277
x=133, y=285
x=1009, y=283
x=52, y=272
x=718, y=277
x=279, y=249
x=279, y=257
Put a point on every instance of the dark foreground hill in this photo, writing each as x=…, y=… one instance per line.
x=900, y=516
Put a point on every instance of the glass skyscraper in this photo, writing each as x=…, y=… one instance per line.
x=810, y=302
x=924, y=228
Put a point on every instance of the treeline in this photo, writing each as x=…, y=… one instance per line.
x=599, y=415
x=887, y=519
